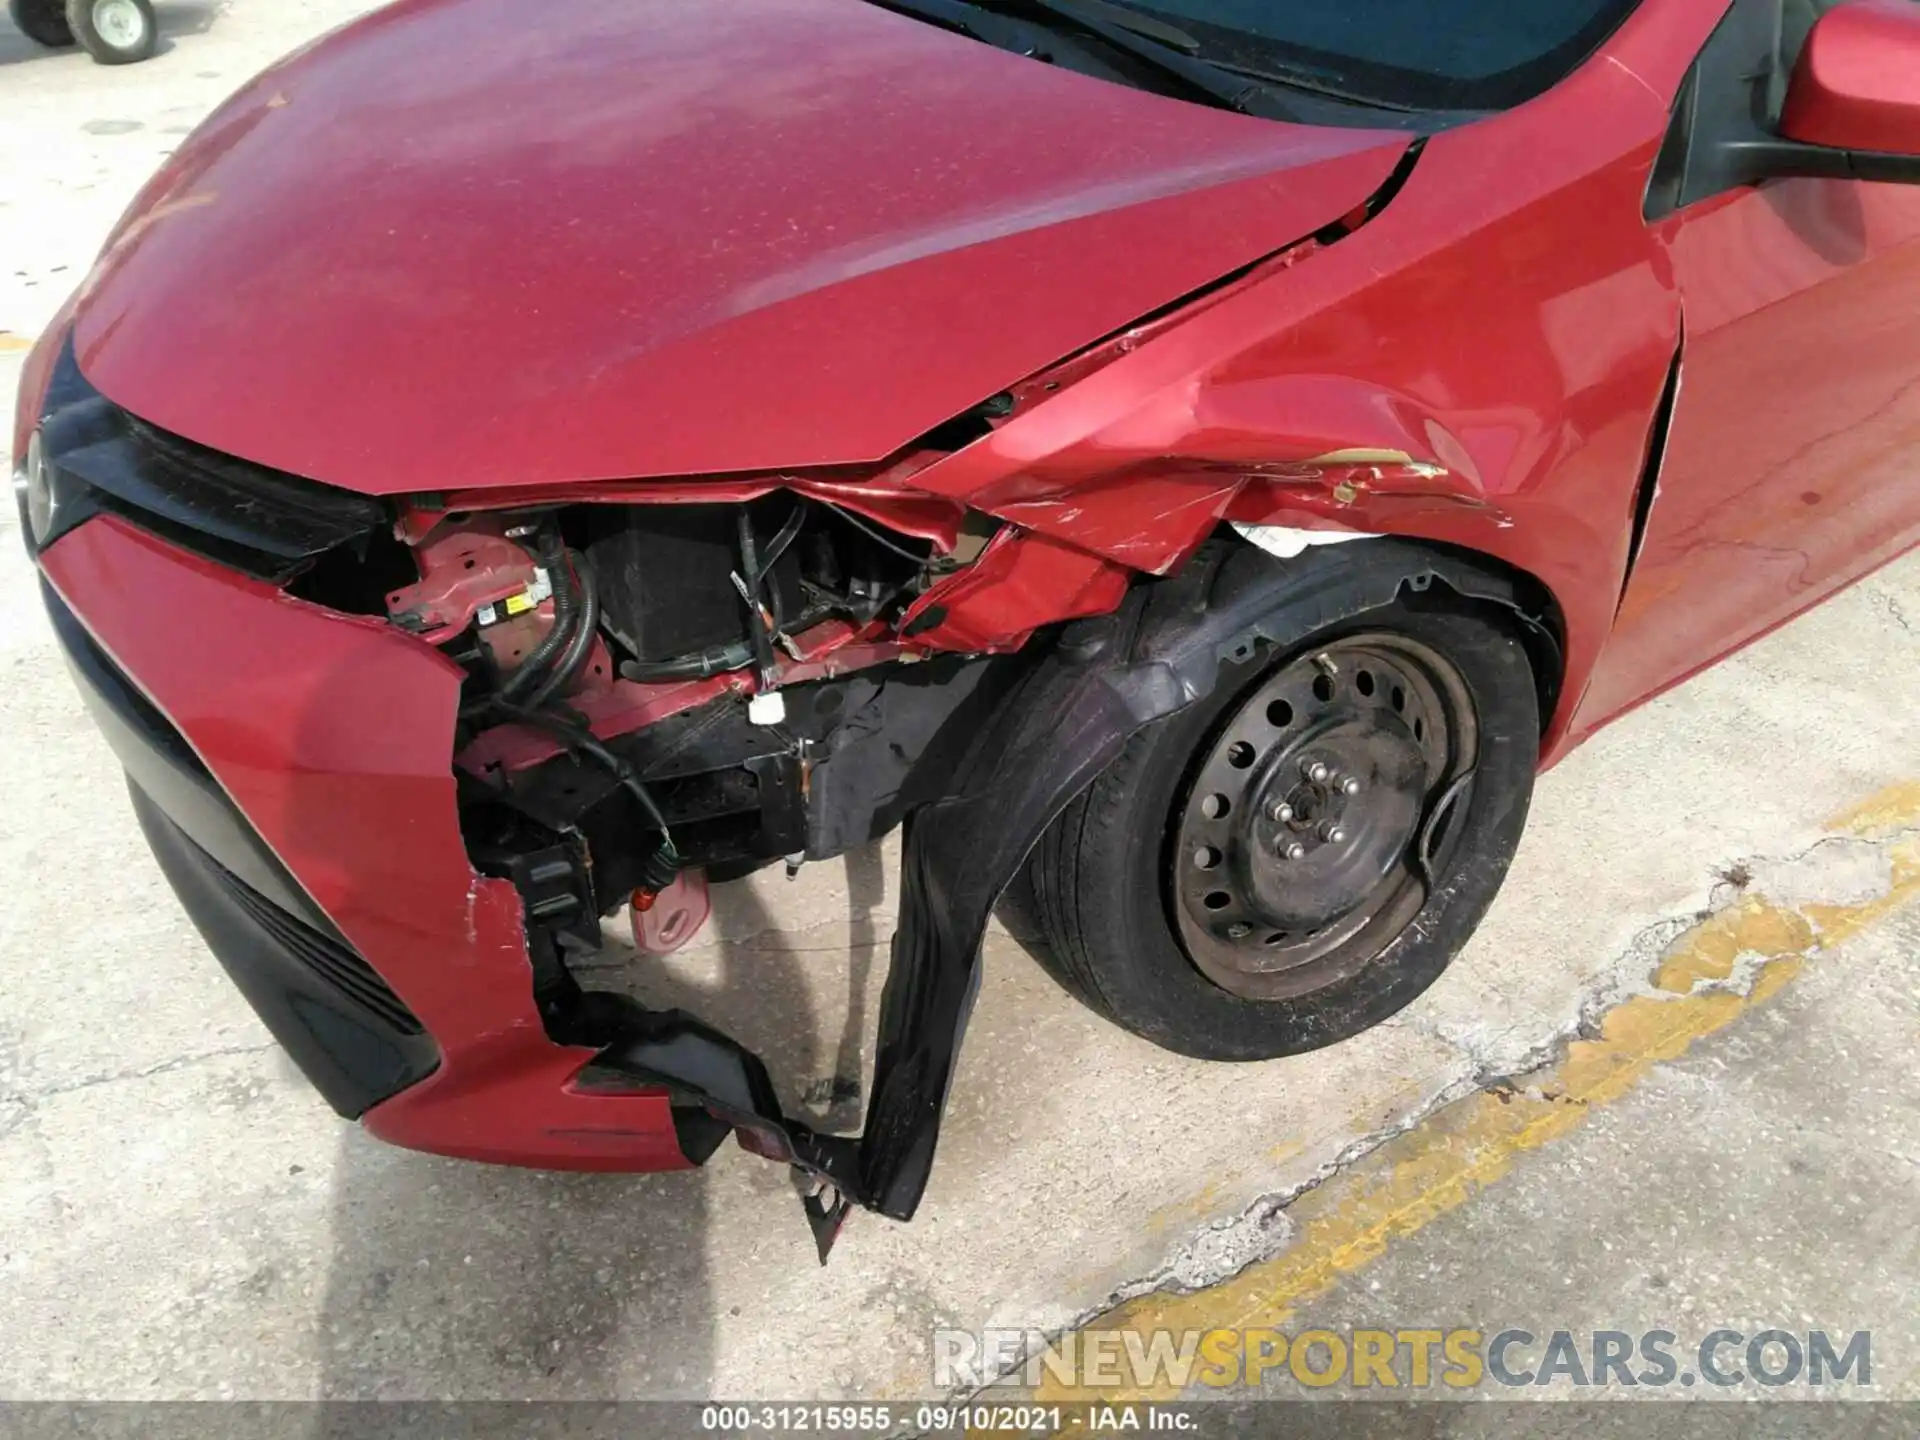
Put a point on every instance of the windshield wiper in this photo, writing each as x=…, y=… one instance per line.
x=962, y=17
x=1156, y=44
x=1127, y=18
x=1310, y=82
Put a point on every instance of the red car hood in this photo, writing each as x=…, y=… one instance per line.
x=481, y=242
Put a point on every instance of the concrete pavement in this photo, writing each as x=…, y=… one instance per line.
x=180, y=1216
x=1717, y=1159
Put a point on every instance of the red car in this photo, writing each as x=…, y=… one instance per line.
x=1189, y=463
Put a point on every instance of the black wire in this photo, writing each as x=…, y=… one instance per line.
x=702, y=664
x=757, y=626
x=875, y=535
x=783, y=539
x=572, y=581
x=578, y=738
x=566, y=613
x=585, y=630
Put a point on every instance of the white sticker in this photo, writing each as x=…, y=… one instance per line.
x=1286, y=543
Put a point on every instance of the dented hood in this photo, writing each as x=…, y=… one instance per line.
x=476, y=242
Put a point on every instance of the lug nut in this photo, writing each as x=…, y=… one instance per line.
x=1281, y=812
x=1295, y=851
x=1239, y=932
x=1333, y=834
x=1316, y=772
x=1350, y=785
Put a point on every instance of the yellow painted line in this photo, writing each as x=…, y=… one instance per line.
x=10, y=341
x=1895, y=808
x=1414, y=1179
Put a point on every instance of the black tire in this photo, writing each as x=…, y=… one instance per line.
x=42, y=21
x=114, y=32
x=1095, y=901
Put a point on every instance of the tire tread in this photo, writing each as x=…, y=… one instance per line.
x=1048, y=903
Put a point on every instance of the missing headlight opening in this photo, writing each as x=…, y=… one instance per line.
x=614, y=747
x=614, y=656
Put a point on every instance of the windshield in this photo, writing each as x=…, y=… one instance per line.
x=1423, y=54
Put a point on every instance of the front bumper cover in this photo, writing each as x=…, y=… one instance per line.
x=309, y=750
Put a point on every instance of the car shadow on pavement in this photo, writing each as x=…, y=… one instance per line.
x=457, y=1280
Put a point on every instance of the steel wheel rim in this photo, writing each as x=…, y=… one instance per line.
x=1307, y=832
x=119, y=23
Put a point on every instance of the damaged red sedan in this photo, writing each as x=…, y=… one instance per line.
x=1191, y=463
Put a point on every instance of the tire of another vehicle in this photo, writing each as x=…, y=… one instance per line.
x=1096, y=900
x=42, y=21
x=114, y=32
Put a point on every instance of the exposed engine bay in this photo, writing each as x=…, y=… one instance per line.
x=659, y=691
x=660, y=696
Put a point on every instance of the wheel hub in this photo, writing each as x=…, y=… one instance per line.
x=1328, y=820
x=1293, y=852
x=118, y=22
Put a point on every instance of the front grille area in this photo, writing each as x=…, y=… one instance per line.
x=249, y=517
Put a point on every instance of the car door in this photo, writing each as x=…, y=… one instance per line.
x=1792, y=459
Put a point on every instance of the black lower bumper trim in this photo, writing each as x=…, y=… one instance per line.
x=326, y=1005
x=331, y=1010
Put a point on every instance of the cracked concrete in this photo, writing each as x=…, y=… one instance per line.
x=165, y=1067
x=1840, y=871
x=1440, y=1198
x=1835, y=872
x=1747, y=1184
x=1899, y=613
x=182, y=1217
